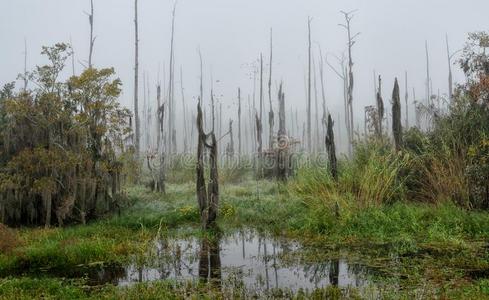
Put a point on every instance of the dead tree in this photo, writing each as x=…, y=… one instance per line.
x=24, y=76
x=160, y=179
x=331, y=149
x=260, y=148
x=396, y=117
x=428, y=78
x=283, y=140
x=171, y=90
x=270, y=113
x=309, y=136
x=230, y=146
x=380, y=108
x=92, y=38
x=239, y=122
x=136, y=83
x=343, y=76
x=406, y=98
x=323, y=94
x=185, y=144
x=316, y=108
x=350, y=82
x=207, y=197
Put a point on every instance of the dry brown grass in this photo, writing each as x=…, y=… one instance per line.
x=8, y=240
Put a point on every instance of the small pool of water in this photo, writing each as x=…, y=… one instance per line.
x=246, y=260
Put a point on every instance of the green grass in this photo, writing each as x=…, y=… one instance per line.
x=428, y=236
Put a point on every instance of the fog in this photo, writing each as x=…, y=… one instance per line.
x=232, y=34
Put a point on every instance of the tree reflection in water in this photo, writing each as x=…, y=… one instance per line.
x=210, y=260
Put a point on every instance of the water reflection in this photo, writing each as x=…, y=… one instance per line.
x=210, y=261
x=246, y=260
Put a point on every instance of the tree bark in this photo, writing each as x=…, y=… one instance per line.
x=136, y=83
x=331, y=149
x=396, y=117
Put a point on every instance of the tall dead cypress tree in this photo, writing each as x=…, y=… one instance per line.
x=331, y=149
x=406, y=99
x=207, y=197
x=323, y=94
x=350, y=82
x=380, y=108
x=316, y=109
x=283, y=140
x=260, y=149
x=185, y=144
x=396, y=117
x=230, y=146
x=309, y=136
x=239, y=122
x=270, y=113
x=136, y=83
x=92, y=39
x=171, y=90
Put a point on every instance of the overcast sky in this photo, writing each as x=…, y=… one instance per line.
x=232, y=33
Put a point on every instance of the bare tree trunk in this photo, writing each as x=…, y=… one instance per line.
x=316, y=108
x=136, y=83
x=239, y=122
x=380, y=108
x=171, y=92
x=208, y=200
x=323, y=94
x=158, y=128
x=270, y=113
x=350, y=81
x=185, y=145
x=230, y=146
x=428, y=78
x=92, y=39
x=309, y=136
x=160, y=183
x=283, y=140
x=450, y=76
x=260, y=149
x=331, y=149
x=396, y=117
x=406, y=99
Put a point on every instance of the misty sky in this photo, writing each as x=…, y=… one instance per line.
x=232, y=33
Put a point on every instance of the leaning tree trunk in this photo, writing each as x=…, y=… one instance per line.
x=331, y=149
x=396, y=117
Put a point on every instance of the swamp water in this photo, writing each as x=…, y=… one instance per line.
x=245, y=260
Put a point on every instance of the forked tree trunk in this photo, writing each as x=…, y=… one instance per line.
x=208, y=198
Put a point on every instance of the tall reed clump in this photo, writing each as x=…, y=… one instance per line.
x=375, y=176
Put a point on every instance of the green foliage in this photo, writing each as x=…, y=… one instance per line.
x=61, y=144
